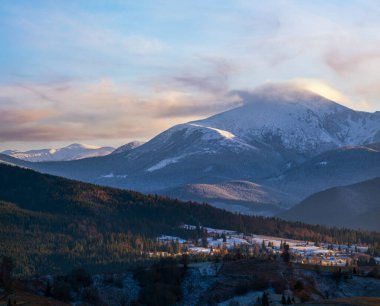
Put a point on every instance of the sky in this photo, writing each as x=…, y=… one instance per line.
x=109, y=72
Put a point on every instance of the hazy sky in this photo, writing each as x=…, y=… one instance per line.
x=107, y=72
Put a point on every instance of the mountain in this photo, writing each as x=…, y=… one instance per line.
x=274, y=140
x=342, y=166
x=127, y=147
x=51, y=224
x=238, y=196
x=353, y=206
x=269, y=196
x=288, y=120
x=71, y=152
x=271, y=132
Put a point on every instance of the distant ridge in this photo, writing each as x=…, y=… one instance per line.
x=128, y=147
x=70, y=152
x=353, y=206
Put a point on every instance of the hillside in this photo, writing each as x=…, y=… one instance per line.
x=51, y=224
x=240, y=196
x=268, y=196
x=338, y=167
x=354, y=206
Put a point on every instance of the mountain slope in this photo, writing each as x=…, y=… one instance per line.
x=270, y=132
x=287, y=118
x=127, y=147
x=353, y=206
x=267, y=196
x=50, y=224
x=342, y=166
x=71, y=152
x=279, y=132
x=240, y=196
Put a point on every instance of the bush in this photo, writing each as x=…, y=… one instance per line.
x=279, y=287
x=61, y=291
x=375, y=273
x=90, y=295
x=79, y=278
x=298, y=286
x=242, y=288
x=161, y=284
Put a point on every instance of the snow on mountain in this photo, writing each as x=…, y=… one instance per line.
x=71, y=152
x=288, y=118
x=163, y=163
x=275, y=128
x=128, y=147
x=278, y=131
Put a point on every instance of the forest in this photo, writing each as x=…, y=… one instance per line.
x=52, y=225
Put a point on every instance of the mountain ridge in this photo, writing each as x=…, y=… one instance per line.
x=71, y=152
x=278, y=139
x=355, y=206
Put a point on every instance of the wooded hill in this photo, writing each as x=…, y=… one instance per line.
x=51, y=224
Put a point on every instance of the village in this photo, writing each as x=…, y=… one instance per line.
x=222, y=242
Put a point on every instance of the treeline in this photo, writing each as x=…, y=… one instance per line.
x=54, y=224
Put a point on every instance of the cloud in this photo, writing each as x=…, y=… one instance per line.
x=293, y=89
x=345, y=62
x=176, y=104
x=206, y=74
x=131, y=70
x=21, y=124
x=38, y=93
x=21, y=116
x=143, y=45
x=93, y=110
x=320, y=87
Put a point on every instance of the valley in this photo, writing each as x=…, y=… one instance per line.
x=123, y=240
x=189, y=153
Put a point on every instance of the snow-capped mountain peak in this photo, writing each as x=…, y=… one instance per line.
x=267, y=140
x=127, y=147
x=70, y=152
x=81, y=146
x=295, y=119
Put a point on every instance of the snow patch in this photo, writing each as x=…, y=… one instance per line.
x=322, y=163
x=165, y=238
x=222, y=133
x=227, y=136
x=163, y=163
x=111, y=175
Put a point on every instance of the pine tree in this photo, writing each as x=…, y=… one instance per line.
x=265, y=299
x=283, y=300
x=263, y=247
x=48, y=289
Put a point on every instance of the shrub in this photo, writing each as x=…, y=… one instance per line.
x=61, y=291
x=90, y=295
x=298, y=286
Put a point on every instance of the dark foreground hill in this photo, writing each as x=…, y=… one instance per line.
x=51, y=224
x=354, y=206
